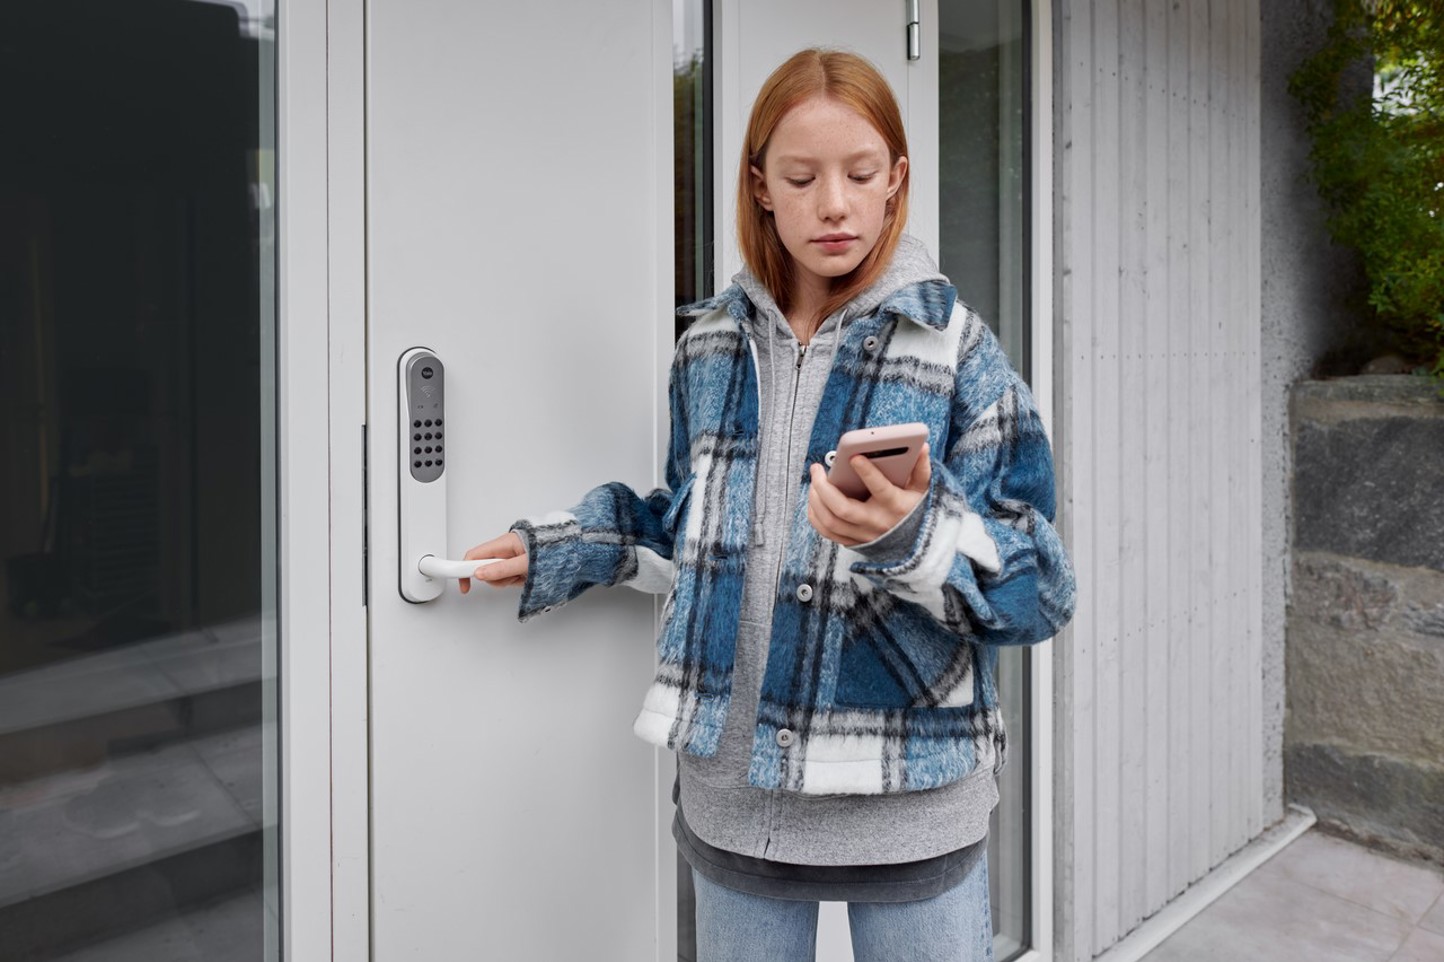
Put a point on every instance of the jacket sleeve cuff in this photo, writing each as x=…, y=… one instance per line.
x=561, y=563
x=897, y=541
x=531, y=603
x=945, y=528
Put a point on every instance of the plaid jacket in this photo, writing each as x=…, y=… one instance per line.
x=880, y=674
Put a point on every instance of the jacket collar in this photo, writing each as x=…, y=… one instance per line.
x=928, y=303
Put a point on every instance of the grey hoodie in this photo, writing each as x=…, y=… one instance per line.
x=719, y=805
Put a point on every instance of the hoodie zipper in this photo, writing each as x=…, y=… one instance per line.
x=787, y=466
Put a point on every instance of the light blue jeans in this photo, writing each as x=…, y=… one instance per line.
x=956, y=926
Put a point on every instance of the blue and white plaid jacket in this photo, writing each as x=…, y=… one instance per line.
x=880, y=673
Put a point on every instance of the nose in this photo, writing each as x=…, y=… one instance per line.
x=832, y=198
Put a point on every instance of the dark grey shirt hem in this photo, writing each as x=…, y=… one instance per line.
x=897, y=882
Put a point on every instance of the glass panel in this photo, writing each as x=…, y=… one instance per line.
x=693, y=205
x=692, y=148
x=982, y=107
x=137, y=482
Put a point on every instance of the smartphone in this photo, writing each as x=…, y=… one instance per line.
x=893, y=448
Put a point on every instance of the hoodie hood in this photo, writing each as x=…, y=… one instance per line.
x=911, y=287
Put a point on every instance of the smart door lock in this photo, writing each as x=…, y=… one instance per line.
x=421, y=471
x=421, y=462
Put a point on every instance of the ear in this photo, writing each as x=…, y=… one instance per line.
x=895, y=176
x=759, y=187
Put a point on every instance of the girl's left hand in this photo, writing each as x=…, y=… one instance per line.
x=851, y=522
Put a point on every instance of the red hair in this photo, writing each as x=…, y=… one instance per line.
x=850, y=80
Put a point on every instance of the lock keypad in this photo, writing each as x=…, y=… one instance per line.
x=425, y=396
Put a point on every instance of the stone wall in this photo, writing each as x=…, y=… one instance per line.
x=1364, y=731
x=1310, y=297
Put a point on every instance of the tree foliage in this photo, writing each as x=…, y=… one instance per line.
x=1378, y=161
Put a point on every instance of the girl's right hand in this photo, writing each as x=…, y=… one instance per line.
x=508, y=573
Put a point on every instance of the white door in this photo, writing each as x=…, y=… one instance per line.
x=519, y=226
x=517, y=198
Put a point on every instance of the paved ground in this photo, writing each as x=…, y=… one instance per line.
x=1320, y=900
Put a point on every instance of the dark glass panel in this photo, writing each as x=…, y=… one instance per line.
x=134, y=222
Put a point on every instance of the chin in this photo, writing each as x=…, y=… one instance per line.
x=834, y=269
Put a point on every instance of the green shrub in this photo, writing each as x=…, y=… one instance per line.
x=1378, y=160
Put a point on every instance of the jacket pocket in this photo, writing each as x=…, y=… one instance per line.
x=899, y=659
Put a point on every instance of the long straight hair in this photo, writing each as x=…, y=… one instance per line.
x=850, y=80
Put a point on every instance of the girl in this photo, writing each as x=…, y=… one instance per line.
x=827, y=664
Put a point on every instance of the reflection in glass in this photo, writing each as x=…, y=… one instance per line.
x=692, y=149
x=692, y=206
x=136, y=712
x=982, y=112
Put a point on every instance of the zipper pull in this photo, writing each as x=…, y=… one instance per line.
x=801, y=353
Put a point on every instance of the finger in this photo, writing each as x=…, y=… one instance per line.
x=827, y=531
x=832, y=527
x=871, y=475
x=839, y=505
x=466, y=582
x=500, y=572
x=922, y=473
x=506, y=546
x=822, y=517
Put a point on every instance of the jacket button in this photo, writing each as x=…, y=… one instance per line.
x=870, y=344
x=804, y=593
x=829, y=457
x=785, y=738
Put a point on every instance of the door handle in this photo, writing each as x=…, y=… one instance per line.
x=442, y=568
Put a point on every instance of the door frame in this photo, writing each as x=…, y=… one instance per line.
x=321, y=117
x=325, y=843
x=1041, y=378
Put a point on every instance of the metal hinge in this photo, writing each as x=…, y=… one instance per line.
x=915, y=31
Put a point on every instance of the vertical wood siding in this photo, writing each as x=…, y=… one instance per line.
x=1159, y=305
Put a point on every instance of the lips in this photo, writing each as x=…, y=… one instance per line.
x=835, y=243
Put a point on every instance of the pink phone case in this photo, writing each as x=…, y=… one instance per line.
x=893, y=448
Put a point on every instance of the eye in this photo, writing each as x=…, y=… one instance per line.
x=864, y=178
x=799, y=181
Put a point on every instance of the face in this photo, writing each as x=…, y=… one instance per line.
x=827, y=181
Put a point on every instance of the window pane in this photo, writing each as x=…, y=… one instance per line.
x=692, y=148
x=692, y=156
x=982, y=107
x=137, y=482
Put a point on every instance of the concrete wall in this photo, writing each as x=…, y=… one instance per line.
x=1364, y=741
x=1310, y=294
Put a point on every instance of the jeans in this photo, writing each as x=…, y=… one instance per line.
x=956, y=926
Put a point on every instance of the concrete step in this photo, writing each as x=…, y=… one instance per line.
x=233, y=929
x=85, y=854
x=131, y=786
x=76, y=713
